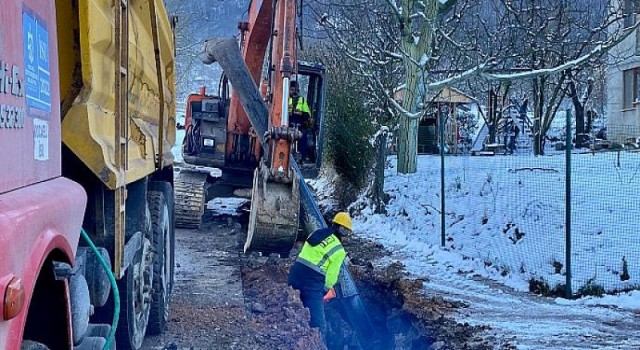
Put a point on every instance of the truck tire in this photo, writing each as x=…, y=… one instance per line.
x=32, y=345
x=168, y=192
x=161, y=244
x=135, y=299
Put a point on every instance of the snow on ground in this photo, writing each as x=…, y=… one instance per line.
x=323, y=188
x=505, y=219
x=176, y=150
x=226, y=205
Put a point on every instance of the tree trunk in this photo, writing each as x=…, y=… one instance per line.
x=537, y=137
x=416, y=90
x=408, y=146
x=538, y=105
x=579, y=111
x=578, y=106
x=493, y=112
x=589, y=126
x=376, y=194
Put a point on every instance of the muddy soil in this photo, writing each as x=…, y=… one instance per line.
x=209, y=309
x=224, y=299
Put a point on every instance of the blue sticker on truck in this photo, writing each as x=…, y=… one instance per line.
x=36, y=62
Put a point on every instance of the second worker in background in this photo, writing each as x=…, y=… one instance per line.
x=300, y=116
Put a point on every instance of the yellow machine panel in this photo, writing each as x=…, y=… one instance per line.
x=88, y=93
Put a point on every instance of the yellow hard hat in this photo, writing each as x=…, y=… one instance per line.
x=343, y=219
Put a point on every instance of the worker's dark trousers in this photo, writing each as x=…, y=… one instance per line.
x=311, y=286
x=303, y=146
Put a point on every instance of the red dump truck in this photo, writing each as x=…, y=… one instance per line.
x=87, y=120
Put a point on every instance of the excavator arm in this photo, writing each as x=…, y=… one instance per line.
x=278, y=186
x=275, y=205
x=270, y=22
x=226, y=53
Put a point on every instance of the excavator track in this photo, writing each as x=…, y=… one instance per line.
x=189, y=188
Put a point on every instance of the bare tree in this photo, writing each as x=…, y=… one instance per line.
x=439, y=43
x=199, y=21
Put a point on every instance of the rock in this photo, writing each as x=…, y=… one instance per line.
x=258, y=308
x=289, y=313
x=437, y=345
x=171, y=346
x=273, y=259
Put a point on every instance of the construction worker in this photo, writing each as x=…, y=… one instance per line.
x=316, y=270
x=300, y=115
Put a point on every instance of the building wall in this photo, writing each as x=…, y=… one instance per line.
x=622, y=123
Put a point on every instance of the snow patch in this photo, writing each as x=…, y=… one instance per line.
x=226, y=206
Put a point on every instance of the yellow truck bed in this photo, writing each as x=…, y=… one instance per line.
x=88, y=94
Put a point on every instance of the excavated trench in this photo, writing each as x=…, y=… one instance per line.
x=404, y=318
x=394, y=327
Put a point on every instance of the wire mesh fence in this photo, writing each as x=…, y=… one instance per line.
x=563, y=219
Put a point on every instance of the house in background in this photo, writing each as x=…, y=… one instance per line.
x=623, y=78
x=448, y=100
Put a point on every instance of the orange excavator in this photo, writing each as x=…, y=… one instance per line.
x=247, y=132
x=260, y=139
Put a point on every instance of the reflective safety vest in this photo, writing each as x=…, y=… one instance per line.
x=301, y=105
x=324, y=254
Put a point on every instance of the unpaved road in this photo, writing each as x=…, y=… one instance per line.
x=534, y=322
x=209, y=310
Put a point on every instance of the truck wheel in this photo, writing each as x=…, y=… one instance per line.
x=32, y=345
x=135, y=299
x=167, y=191
x=161, y=242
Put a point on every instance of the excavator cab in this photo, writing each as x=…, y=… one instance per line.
x=311, y=82
x=215, y=140
x=207, y=129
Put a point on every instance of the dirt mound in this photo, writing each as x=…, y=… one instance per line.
x=281, y=318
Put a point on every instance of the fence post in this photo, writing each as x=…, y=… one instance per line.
x=442, y=202
x=568, y=148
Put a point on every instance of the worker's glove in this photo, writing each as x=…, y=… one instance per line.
x=330, y=295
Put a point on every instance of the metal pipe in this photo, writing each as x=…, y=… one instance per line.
x=348, y=296
x=285, y=101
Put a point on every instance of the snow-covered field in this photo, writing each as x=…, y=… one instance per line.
x=505, y=218
x=505, y=223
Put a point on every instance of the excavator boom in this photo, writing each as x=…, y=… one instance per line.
x=275, y=205
x=226, y=53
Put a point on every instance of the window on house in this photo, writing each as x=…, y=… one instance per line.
x=631, y=89
x=630, y=9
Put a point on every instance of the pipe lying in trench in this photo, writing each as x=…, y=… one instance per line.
x=227, y=53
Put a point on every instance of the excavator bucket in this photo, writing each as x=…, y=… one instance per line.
x=274, y=217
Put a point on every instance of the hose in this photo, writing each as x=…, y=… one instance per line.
x=114, y=286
